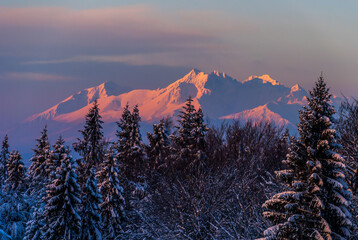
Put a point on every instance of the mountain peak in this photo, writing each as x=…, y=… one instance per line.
x=219, y=74
x=265, y=79
x=296, y=88
x=193, y=72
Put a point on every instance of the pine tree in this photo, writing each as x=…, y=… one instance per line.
x=61, y=217
x=315, y=207
x=130, y=151
x=91, y=218
x=159, y=146
x=4, y=156
x=112, y=207
x=16, y=209
x=190, y=174
x=190, y=141
x=16, y=180
x=34, y=225
x=130, y=154
x=57, y=154
x=200, y=131
x=37, y=171
x=91, y=146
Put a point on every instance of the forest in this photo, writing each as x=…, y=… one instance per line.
x=190, y=180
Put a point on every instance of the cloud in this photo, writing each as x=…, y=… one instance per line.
x=31, y=76
x=172, y=59
x=42, y=32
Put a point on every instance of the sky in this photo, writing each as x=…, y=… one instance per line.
x=52, y=49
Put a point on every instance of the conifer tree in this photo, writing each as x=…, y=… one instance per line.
x=200, y=131
x=130, y=154
x=4, y=157
x=16, y=180
x=129, y=147
x=316, y=205
x=37, y=171
x=158, y=149
x=16, y=209
x=61, y=217
x=90, y=214
x=34, y=225
x=57, y=154
x=112, y=206
x=91, y=145
x=190, y=141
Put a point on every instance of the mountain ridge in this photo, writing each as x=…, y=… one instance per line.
x=217, y=93
x=220, y=96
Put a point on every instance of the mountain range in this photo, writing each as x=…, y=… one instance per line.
x=220, y=96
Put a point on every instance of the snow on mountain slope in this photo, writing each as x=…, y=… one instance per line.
x=297, y=95
x=76, y=102
x=217, y=93
x=260, y=113
x=220, y=96
x=263, y=78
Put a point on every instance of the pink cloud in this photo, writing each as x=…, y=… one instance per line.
x=33, y=76
x=138, y=26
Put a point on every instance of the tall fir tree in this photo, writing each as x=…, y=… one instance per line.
x=61, y=217
x=4, y=157
x=158, y=149
x=316, y=205
x=130, y=153
x=16, y=180
x=37, y=171
x=90, y=213
x=34, y=225
x=190, y=179
x=112, y=206
x=129, y=146
x=57, y=154
x=200, y=130
x=16, y=208
x=190, y=140
x=91, y=146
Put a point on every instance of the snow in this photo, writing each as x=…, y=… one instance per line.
x=207, y=90
x=265, y=79
x=218, y=94
x=260, y=113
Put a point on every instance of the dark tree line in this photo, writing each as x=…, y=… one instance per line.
x=190, y=181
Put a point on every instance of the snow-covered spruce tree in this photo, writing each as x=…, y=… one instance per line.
x=57, y=154
x=130, y=153
x=158, y=149
x=37, y=171
x=61, y=217
x=90, y=213
x=112, y=206
x=15, y=208
x=190, y=140
x=16, y=180
x=36, y=222
x=91, y=146
x=199, y=133
x=315, y=207
x=4, y=156
x=190, y=179
x=34, y=225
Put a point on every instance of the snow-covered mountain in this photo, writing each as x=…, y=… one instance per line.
x=220, y=96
